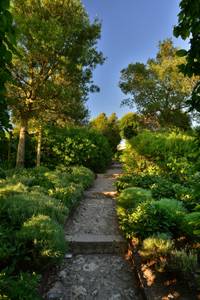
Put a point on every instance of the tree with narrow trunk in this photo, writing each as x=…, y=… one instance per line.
x=158, y=88
x=57, y=42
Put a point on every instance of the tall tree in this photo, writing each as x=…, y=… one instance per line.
x=57, y=42
x=108, y=127
x=157, y=87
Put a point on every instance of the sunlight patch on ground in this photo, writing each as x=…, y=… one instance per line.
x=149, y=275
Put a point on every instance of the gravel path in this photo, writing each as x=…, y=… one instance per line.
x=99, y=268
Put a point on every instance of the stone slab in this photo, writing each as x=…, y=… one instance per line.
x=90, y=244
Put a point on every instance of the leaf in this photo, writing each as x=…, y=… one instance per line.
x=8, y=56
x=181, y=53
x=196, y=231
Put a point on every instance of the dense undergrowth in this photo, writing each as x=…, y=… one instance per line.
x=156, y=202
x=68, y=146
x=34, y=206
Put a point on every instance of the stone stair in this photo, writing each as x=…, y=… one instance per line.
x=94, y=225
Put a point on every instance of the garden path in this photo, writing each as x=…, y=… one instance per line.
x=100, y=268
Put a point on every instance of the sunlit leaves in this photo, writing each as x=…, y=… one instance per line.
x=158, y=88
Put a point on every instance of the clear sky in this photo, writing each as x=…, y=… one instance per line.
x=131, y=30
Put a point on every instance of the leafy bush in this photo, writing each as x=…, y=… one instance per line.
x=79, y=175
x=190, y=225
x=22, y=286
x=144, y=181
x=21, y=208
x=11, y=188
x=175, y=212
x=164, y=188
x=134, y=162
x=12, y=252
x=163, y=216
x=46, y=238
x=183, y=262
x=131, y=197
x=156, y=246
x=68, y=195
x=162, y=144
x=70, y=146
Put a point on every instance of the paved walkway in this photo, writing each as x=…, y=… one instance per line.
x=99, y=267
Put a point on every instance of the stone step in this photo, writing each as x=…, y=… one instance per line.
x=115, y=166
x=96, y=244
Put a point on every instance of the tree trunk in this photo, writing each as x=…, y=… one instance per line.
x=9, y=145
x=166, y=125
x=39, y=145
x=20, y=162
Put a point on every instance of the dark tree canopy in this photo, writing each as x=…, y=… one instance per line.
x=189, y=26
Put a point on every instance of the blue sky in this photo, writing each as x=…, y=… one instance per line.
x=131, y=30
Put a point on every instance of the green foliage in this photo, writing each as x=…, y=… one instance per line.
x=183, y=262
x=164, y=216
x=188, y=24
x=131, y=197
x=175, y=212
x=144, y=181
x=129, y=126
x=190, y=225
x=12, y=252
x=157, y=246
x=79, y=175
x=109, y=128
x=22, y=286
x=157, y=87
x=133, y=162
x=54, y=75
x=68, y=195
x=23, y=207
x=168, y=154
x=46, y=238
x=71, y=146
x=7, y=47
x=11, y=189
x=144, y=221
x=118, y=153
x=163, y=188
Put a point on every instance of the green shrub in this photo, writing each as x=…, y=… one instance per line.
x=12, y=252
x=70, y=146
x=144, y=221
x=68, y=195
x=46, y=238
x=157, y=246
x=11, y=188
x=189, y=225
x=175, y=212
x=22, y=286
x=144, y=181
x=22, y=207
x=163, y=216
x=134, y=162
x=79, y=175
x=118, y=153
x=183, y=262
x=163, y=188
x=131, y=197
